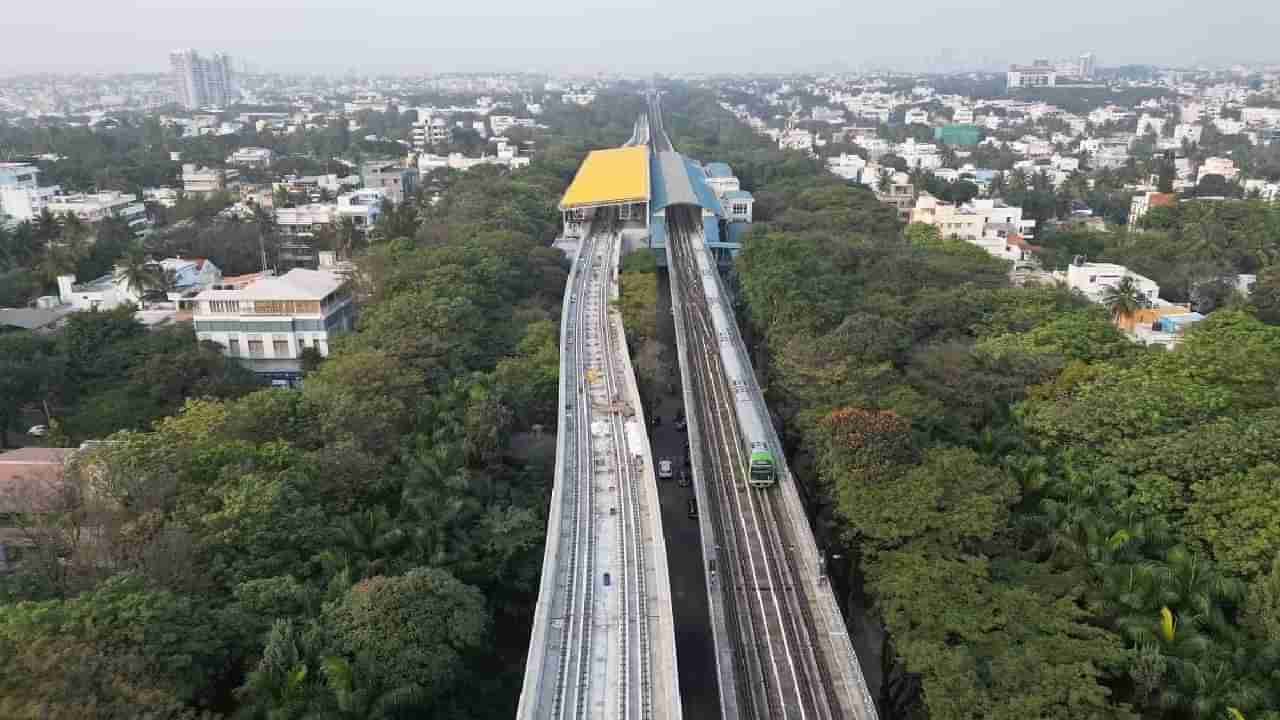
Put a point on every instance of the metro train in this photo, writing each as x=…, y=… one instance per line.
x=762, y=471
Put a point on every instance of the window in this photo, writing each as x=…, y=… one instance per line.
x=233, y=347
x=280, y=348
x=255, y=348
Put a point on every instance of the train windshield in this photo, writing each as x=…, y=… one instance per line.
x=761, y=467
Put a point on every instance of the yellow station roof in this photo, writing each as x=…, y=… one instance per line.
x=610, y=176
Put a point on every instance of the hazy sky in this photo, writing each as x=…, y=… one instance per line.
x=628, y=35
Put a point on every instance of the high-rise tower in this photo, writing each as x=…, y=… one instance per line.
x=199, y=81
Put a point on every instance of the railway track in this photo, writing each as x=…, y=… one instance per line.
x=775, y=634
x=604, y=488
x=575, y=638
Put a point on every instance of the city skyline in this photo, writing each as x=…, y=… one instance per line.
x=504, y=36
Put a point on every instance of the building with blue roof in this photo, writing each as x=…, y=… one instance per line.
x=726, y=209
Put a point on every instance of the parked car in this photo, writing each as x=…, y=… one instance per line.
x=684, y=478
x=693, y=508
x=39, y=430
x=664, y=469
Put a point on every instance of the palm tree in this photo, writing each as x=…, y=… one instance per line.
x=356, y=695
x=137, y=271
x=1124, y=298
x=346, y=237
x=885, y=184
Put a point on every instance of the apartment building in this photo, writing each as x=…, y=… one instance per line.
x=1225, y=167
x=847, y=166
x=251, y=157
x=924, y=156
x=200, y=81
x=1039, y=74
x=394, y=180
x=19, y=175
x=112, y=290
x=916, y=116
x=362, y=207
x=899, y=193
x=203, y=180
x=94, y=207
x=267, y=324
x=1094, y=279
x=987, y=223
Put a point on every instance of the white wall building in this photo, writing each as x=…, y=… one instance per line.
x=111, y=291
x=919, y=155
x=19, y=176
x=362, y=207
x=1094, y=279
x=916, y=116
x=203, y=180
x=93, y=207
x=1025, y=76
x=988, y=223
x=22, y=204
x=267, y=324
x=1225, y=167
x=578, y=98
x=847, y=166
x=251, y=157
x=796, y=140
x=738, y=205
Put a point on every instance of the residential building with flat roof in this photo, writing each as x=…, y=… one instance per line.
x=394, y=180
x=987, y=223
x=1094, y=279
x=251, y=157
x=93, y=207
x=203, y=180
x=1031, y=76
x=267, y=324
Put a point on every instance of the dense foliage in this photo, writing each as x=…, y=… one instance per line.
x=366, y=546
x=104, y=372
x=1194, y=250
x=1049, y=520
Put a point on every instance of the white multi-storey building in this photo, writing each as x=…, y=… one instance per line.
x=203, y=180
x=267, y=324
x=19, y=176
x=1094, y=279
x=22, y=204
x=362, y=207
x=93, y=207
x=849, y=167
x=916, y=116
x=251, y=157
x=1226, y=167
x=1038, y=75
x=924, y=156
x=113, y=290
x=200, y=81
x=987, y=223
